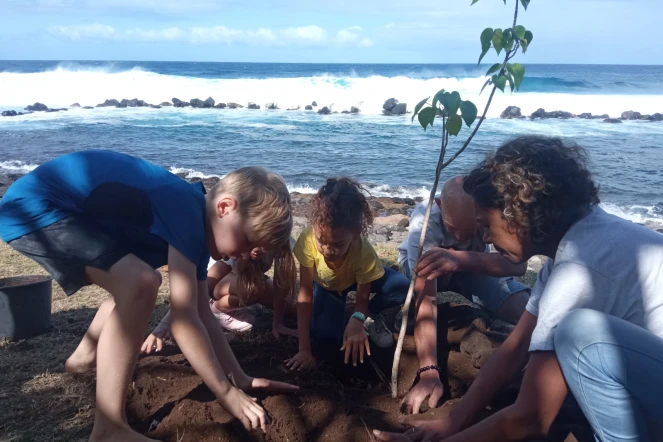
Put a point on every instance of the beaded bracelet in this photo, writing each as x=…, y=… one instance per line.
x=430, y=367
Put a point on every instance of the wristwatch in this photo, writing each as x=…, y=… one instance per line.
x=360, y=316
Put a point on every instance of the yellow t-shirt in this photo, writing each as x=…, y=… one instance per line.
x=361, y=266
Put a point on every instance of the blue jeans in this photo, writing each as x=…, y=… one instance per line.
x=328, y=321
x=615, y=371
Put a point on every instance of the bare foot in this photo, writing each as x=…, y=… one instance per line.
x=118, y=435
x=79, y=363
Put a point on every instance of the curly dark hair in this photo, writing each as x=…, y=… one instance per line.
x=541, y=185
x=340, y=203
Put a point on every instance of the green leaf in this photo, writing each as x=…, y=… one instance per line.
x=437, y=98
x=418, y=107
x=486, y=36
x=494, y=68
x=509, y=68
x=497, y=40
x=518, y=71
x=507, y=39
x=529, y=37
x=500, y=82
x=451, y=102
x=483, y=54
x=509, y=77
x=525, y=3
x=426, y=117
x=454, y=123
x=519, y=32
x=474, y=1
x=469, y=112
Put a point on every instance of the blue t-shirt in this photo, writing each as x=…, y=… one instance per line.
x=143, y=206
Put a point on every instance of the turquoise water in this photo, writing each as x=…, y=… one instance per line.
x=392, y=155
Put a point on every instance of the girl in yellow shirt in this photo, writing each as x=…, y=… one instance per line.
x=334, y=259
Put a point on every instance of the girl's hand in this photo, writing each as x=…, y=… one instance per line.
x=303, y=360
x=152, y=343
x=280, y=329
x=355, y=341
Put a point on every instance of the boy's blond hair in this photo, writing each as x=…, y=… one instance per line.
x=264, y=201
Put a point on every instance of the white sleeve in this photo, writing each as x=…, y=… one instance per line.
x=539, y=285
x=567, y=287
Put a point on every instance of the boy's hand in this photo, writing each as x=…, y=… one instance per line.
x=303, y=360
x=355, y=341
x=244, y=408
x=152, y=343
x=280, y=329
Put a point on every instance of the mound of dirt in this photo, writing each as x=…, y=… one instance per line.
x=169, y=402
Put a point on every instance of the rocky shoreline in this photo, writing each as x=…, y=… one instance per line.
x=390, y=107
x=514, y=113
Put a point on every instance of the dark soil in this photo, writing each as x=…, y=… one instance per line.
x=335, y=402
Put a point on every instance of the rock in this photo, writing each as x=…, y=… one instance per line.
x=405, y=222
x=376, y=204
x=155, y=106
x=477, y=347
x=293, y=108
x=630, y=115
x=253, y=106
x=235, y=106
x=586, y=115
x=659, y=231
x=56, y=110
x=88, y=107
x=345, y=112
x=389, y=104
x=656, y=117
x=510, y=113
x=197, y=103
x=560, y=114
x=644, y=117
x=9, y=113
x=409, y=201
x=75, y=105
x=209, y=103
x=166, y=103
x=399, y=109
x=612, y=120
x=324, y=111
x=220, y=106
x=37, y=107
x=539, y=113
x=179, y=103
x=308, y=107
x=314, y=104
x=383, y=230
x=354, y=110
x=391, y=220
x=601, y=117
x=271, y=106
x=109, y=103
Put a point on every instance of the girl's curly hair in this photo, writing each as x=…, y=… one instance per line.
x=541, y=185
x=340, y=203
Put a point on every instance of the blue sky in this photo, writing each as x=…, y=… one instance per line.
x=333, y=31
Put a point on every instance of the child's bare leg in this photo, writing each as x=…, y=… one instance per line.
x=225, y=294
x=85, y=356
x=134, y=286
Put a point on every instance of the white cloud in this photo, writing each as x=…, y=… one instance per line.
x=302, y=35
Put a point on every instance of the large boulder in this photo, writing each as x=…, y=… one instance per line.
x=253, y=106
x=510, y=113
x=539, y=113
x=630, y=115
x=87, y=107
x=235, y=106
x=75, y=105
x=294, y=108
x=612, y=120
x=399, y=109
x=355, y=110
x=389, y=104
x=109, y=103
x=134, y=102
x=209, y=102
x=56, y=110
x=586, y=116
x=601, y=117
x=656, y=117
x=37, y=107
x=324, y=111
x=220, y=106
x=155, y=106
x=179, y=103
x=271, y=106
x=314, y=104
x=559, y=114
x=9, y=113
x=308, y=107
x=166, y=103
x=197, y=103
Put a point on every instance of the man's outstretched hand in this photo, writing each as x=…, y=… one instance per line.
x=429, y=386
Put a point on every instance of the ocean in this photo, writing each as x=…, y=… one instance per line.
x=391, y=155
